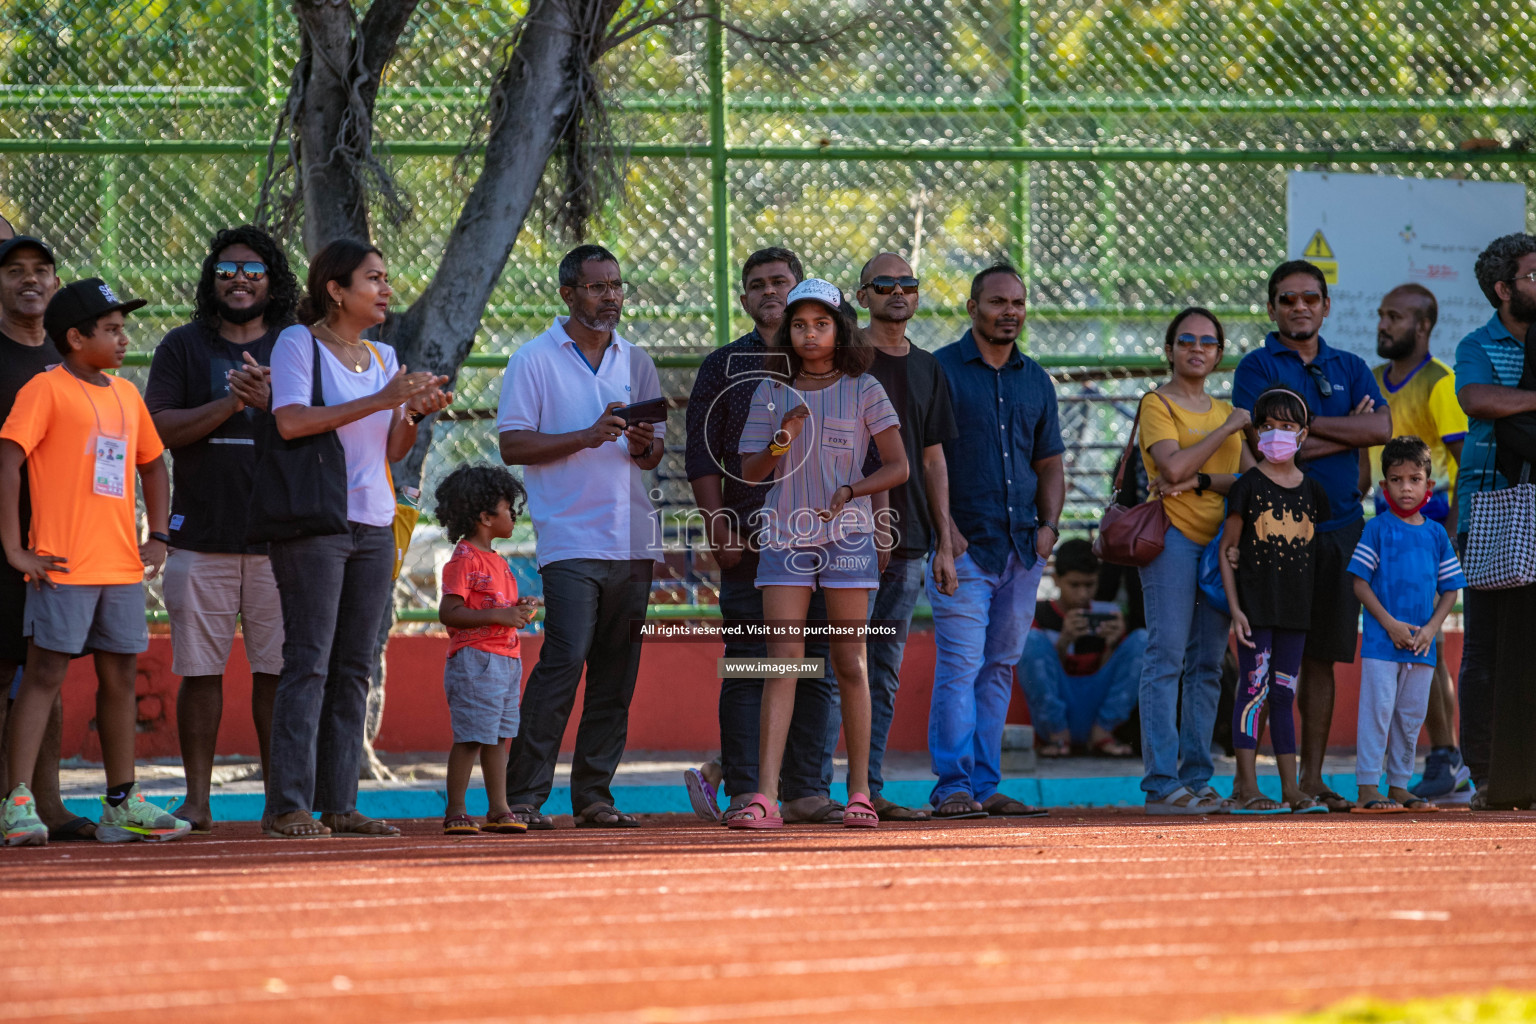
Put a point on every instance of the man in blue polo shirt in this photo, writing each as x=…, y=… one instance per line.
x=1489, y=362
x=1349, y=414
x=1008, y=489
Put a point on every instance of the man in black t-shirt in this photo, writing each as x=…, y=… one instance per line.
x=27, y=282
x=207, y=387
x=917, y=518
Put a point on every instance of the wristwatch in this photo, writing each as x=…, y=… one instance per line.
x=1202, y=482
x=163, y=538
x=415, y=417
x=1048, y=524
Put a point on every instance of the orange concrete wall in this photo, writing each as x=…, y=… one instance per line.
x=674, y=706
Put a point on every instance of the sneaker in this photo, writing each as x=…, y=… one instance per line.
x=1462, y=793
x=137, y=818
x=20, y=821
x=1440, y=771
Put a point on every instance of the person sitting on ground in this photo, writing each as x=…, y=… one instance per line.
x=76, y=428
x=484, y=674
x=1407, y=576
x=1081, y=670
x=1268, y=557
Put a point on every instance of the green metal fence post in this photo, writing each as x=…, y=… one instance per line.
x=110, y=229
x=1018, y=200
x=719, y=201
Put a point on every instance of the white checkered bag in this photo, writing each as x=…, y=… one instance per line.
x=1501, y=543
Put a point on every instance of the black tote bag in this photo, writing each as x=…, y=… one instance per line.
x=300, y=485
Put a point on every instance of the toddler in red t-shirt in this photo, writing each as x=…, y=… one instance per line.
x=483, y=677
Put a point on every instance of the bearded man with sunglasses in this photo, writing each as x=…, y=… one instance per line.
x=208, y=384
x=1348, y=414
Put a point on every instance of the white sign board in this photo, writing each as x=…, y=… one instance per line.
x=1371, y=233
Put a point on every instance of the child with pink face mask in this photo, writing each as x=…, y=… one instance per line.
x=1268, y=550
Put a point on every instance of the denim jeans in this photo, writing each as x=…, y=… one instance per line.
x=590, y=605
x=1048, y=688
x=900, y=584
x=334, y=589
x=979, y=635
x=741, y=702
x=1186, y=636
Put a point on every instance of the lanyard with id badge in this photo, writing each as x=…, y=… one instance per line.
x=109, y=470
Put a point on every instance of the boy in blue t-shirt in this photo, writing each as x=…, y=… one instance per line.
x=1403, y=561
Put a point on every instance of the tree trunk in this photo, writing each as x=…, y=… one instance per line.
x=335, y=205
x=533, y=99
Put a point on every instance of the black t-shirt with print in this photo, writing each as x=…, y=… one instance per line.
x=211, y=477
x=917, y=389
x=1276, y=556
x=18, y=364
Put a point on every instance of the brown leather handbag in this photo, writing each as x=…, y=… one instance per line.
x=1132, y=535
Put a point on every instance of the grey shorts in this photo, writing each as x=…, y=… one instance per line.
x=75, y=619
x=484, y=691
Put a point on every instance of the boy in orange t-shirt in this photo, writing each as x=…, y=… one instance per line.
x=483, y=677
x=76, y=428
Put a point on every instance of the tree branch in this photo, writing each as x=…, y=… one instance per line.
x=380, y=35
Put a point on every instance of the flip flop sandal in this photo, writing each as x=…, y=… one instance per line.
x=529, y=815
x=1309, y=806
x=70, y=832
x=587, y=817
x=1420, y=806
x=1379, y=807
x=896, y=812
x=369, y=828
x=178, y=801
x=504, y=825
x=969, y=808
x=460, y=825
x=701, y=795
x=1246, y=807
x=754, y=814
x=1102, y=748
x=281, y=831
x=1008, y=808
x=1329, y=798
x=860, y=813
x=822, y=815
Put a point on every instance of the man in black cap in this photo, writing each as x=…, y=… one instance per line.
x=76, y=429
x=27, y=282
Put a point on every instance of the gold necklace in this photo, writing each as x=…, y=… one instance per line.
x=357, y=360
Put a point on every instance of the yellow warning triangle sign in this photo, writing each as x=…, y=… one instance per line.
x=1318, y=248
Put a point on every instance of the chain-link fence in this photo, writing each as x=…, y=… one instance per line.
x=1131, y=156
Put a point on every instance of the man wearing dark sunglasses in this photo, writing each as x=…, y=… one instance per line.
x=207, y=384
x=1349, y=414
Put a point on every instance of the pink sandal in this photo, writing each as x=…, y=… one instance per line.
x=755, y=813
x=860, y=813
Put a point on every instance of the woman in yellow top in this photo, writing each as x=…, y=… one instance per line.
x=1192, y=446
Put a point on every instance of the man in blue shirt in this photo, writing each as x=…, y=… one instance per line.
x=1349, y=414
x=717, y=412
x=1008, y=489
x=1489, y=362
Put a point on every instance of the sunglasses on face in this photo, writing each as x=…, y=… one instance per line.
x=227, y=270
x=1204, y=341
x=1324, y=386
x=1288, y=300
x=885, y=284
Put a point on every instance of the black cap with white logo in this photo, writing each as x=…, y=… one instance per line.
x=76, y=303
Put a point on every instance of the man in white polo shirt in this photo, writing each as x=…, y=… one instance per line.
x=597, y=538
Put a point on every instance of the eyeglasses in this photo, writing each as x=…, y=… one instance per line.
x=598, y=289
x=885, y=284
x=1324, y=386
x=1531, y=277
x=226, y=270
x=1290, y=299
x=1204, y=341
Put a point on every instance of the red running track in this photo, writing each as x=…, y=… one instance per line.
x=1084, y=916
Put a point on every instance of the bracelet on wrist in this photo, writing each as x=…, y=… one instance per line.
x=775, y=449
x=163, y=538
